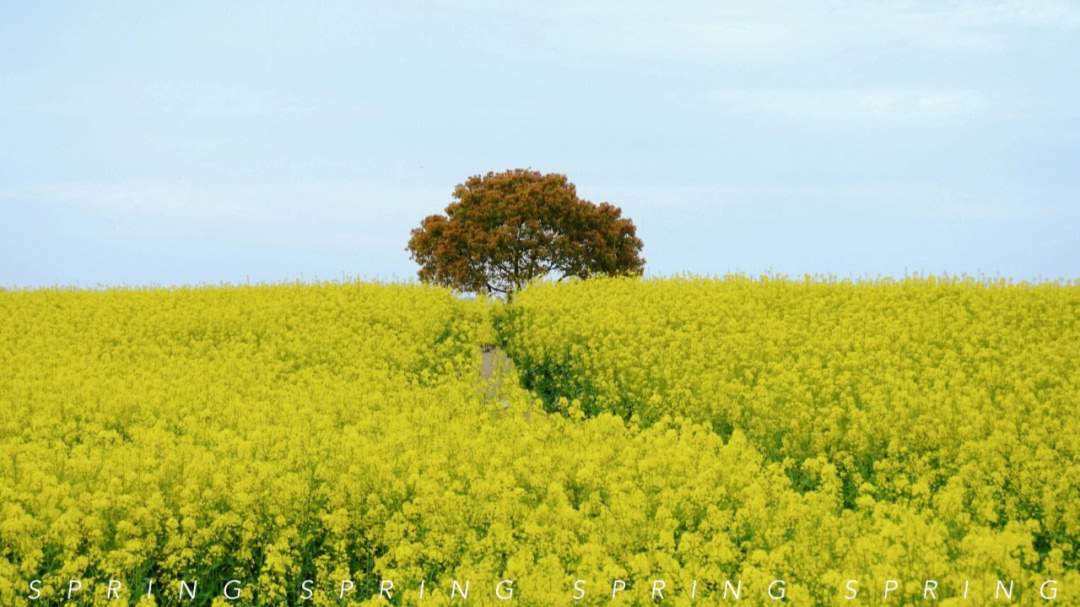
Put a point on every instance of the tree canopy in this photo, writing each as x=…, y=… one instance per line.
x=505, y=229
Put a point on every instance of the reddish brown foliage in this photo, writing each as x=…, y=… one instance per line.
x=504, y=229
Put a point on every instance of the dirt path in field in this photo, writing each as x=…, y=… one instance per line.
x=495, y=365
x=492, y=357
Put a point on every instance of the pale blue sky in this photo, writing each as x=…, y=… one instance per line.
x=196, y=142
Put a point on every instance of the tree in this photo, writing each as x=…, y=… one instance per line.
x=505, y=229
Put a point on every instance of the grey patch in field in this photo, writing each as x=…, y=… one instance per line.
x=494, y=365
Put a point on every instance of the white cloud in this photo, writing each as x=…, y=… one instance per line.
x=886, y=199
x=167, y=97
x=222, y=99
x=646, y=34
x=326, y=216
x=1018, y=12
x=853, y=105
x=185, y=199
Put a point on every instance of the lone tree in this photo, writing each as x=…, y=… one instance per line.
x=504, y=229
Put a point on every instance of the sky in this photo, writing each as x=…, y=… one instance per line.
x=215, y=142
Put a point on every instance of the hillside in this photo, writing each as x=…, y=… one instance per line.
x=701, y=433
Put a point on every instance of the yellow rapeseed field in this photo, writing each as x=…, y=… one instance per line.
x=952, y=401
x=688, y=441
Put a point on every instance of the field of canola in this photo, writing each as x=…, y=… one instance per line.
x=942, y=415
x=691, y=431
